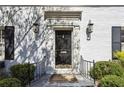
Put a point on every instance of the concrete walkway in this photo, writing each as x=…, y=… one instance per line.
x=44, y=82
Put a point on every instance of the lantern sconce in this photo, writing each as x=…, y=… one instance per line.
x=36, y=29
x=89, y=30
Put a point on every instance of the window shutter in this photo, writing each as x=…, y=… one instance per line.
x=9, y=42
x=116, y=41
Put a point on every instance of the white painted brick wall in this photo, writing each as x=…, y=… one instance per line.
x=100, y=46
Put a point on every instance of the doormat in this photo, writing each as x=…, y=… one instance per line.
x=60, y=78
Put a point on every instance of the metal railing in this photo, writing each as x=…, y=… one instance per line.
x=85, y=67
x=39, y=71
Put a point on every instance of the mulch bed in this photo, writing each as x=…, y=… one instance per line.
x=59, y=78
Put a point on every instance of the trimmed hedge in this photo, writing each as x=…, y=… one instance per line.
x=103, y=68
x=21, y=72
x=10, y=82
x=111, y=81
x=120, y=56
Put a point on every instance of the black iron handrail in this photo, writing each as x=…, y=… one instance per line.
x=85, y=67
x=38, y=71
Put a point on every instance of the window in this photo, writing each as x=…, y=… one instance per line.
x=9, y=42
x=122, y=38
x=6, y=43
x=117, y=39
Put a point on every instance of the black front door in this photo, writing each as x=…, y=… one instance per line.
x=63, y=47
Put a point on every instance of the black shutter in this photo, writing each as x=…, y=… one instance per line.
x=9, y=42
x=116, y=40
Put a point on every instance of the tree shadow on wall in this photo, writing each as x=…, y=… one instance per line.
x=23, y=19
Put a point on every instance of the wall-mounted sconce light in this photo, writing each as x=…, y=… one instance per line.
x=36, y=29
x=89, y=30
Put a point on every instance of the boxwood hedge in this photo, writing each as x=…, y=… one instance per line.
x=111, y=81
x=10, y=82
x=103, y=68
x=23, y=72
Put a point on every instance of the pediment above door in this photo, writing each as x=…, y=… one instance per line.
x=63, y=19
x=62, y=15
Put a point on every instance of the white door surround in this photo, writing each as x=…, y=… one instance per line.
x=71, y=23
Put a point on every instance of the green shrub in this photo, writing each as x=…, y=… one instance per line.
x=21, y=71
x=10, y=82
x=103, y=68
x=111, y=81
x=120, y=56
x=3, y=75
